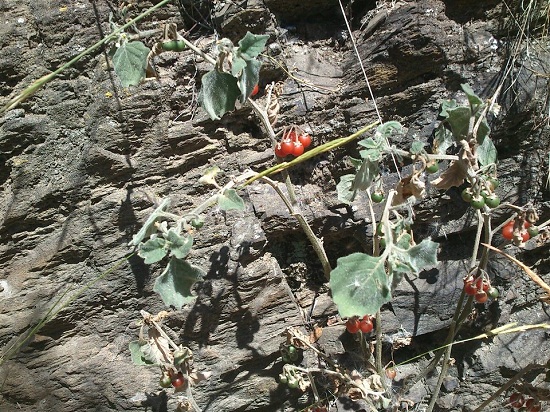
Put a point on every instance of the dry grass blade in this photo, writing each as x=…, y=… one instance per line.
x=536, y=278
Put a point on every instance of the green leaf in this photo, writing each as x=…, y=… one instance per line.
x=138, y=358
x=446, y=105
x=486, y=152
x=153, y=250
x=365, y=175
x=417, y=147
x=149, y=226
x=249, y=78
x=443, y=139
x=174, y=284
x=459, y=120
x=218, y=94
x=130, y=62
x=473, y=99
x=386, y=130
x=482, y=131
x=413, y=259
x=359, y=285
x=230, y=200
x=251, y=45
x=179, y=245
x=343, y=188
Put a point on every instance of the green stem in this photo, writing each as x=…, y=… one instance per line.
x=33, y=88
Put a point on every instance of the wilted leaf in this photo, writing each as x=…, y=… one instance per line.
x=230, y=200
x=359, y=284
x=174, y=284
x=343, y=188
x=179, y=245
x=409, y=186
x=130, y=62
x=218, y=94
x=149, y=227
x=209, y=177
x=153, y=250
x=157, y=349
x=457, y=171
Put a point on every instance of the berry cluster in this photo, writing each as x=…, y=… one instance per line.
x=479, y=287
x=294, y=142
x=169, y=378
x=478, y=199
x=525, y=231
x=527, y=404
x=365, y=324
x=289, y=353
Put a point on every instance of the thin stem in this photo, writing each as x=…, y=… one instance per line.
x=34, y=87
x=314, y=240
x=508, y=384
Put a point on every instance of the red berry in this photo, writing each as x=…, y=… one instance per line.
x=255, y=90
x=508, y=231
x=470, y=289
x=178, y=380
x=298, y=149
x=366, y=325
x=391, y=373
x=525, y=235
x=481, y=296
x=352, y=325
x=532, y=405
x=516, y=400
x=284, y=148
x=305, y=139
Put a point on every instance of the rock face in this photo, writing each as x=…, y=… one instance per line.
x=84, y=161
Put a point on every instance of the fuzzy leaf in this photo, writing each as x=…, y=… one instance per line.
x=248, y=78
x=486, y=152
x=343, y=188
x=365, y=175
x=137, y=355
x=386, y=130
x=459, y=120
x=474, y=101
x=445, y=106
x=482, y=131
x=443, y=139
x=130, y=62
x=218, y=94
x=153, y=250
x=413, y=259
x=174, y=284
x=251, y=45
x=149, y=226
x=179, y=245
x=359, y=285
x=230, y=200
x=417, y=147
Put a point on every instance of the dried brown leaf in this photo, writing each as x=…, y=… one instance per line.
x=409, y=186
x=315, y=334
x=458, y=170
